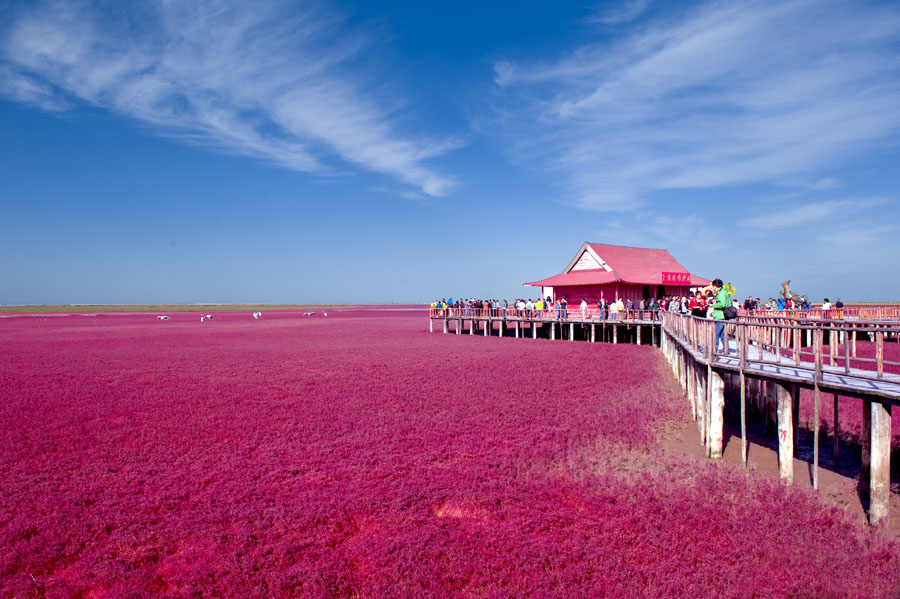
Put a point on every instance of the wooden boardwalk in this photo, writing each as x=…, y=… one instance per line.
x=769, y=358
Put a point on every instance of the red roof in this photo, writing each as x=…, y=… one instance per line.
x=642, y=266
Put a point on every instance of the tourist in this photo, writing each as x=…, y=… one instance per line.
x=564, y=308
x=826, y=305
x=838, y=305
x=722, y=302
x=804, y=303
x=539, y=307
x=614, y=310
x=583, y=309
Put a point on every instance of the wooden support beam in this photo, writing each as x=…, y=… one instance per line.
x=637, y=332
x=836, y=431
x=488, y=325
x=795, y=410
x=571, y=331
x=593, y=333
x=517, y=329
x=471, y=327
x=743, y=384
x=785, y=432
x=816, y=439
x=866, y=439
x=701, y=403
x=880, y=476
x=716, y=414
x=615, y=331
x=533, y=330
x=430, y=325
x=459, y=326
x=446, y=326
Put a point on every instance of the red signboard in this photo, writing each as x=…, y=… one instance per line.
x=676, y=278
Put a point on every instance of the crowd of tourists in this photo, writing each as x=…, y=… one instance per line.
x=698, y=304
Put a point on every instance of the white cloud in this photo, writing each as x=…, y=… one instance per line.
x=296, y=88
x=619, y=12
x=734, y=93
x=813, y=212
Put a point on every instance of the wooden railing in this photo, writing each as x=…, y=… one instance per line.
x=804, y=342
x=592, y=314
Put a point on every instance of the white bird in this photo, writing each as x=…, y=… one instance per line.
x=209, y=317
x=163, y=317
x=201, y=318
x=326, y=314
x=308, y=313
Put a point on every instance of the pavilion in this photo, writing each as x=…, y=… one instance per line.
x=616, y=271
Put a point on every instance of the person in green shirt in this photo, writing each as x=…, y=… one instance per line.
x=723, y=300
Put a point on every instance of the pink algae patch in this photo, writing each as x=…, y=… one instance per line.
x=360, y=456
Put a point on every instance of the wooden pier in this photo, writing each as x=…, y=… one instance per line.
x=765, y=361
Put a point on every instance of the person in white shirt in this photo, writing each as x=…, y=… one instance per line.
x=583, y=309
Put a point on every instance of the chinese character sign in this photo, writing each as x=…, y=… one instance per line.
x=676, y=278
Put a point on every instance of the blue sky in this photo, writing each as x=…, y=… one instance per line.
x=393, y=152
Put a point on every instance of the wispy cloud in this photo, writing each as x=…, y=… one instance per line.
x=734, y=93
x=297, y=87
x=619, y=12
x=813, y=212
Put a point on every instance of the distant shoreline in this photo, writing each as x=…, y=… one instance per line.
x=192, y=307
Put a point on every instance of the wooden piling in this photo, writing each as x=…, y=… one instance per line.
x=795, y=411
x=593, y=333
x=446, y=326
x=571, y=331
x=784, y=399
x=716, y=414
x=836, y=431
x=866, y=439
x=880, y=476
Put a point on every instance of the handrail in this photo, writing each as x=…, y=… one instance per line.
x=570, y=315
x=778, y=340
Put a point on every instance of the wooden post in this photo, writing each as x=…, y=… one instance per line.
x=571, y=331
x=692, y=389
x=533, y=330
x=488, y=325
x=701, y=403
x=785, y=432
x=615, y=333
x=880, y=477
x=471, y=327
x=716, y=414
x=866, y=439
x=553, y=331
x=593, y=333
x=430, y=325
x=517, y=329
x=653, y=334
x=837, y=429
x=743, y=419
x=446, y=326
x=771, y=407
x=459, y=326
x=637, y=332
x=795, y=411
x=816, y=440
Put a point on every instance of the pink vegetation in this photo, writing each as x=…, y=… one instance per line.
x=361, y=456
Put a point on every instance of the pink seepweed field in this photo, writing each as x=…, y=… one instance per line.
x=360, y=456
